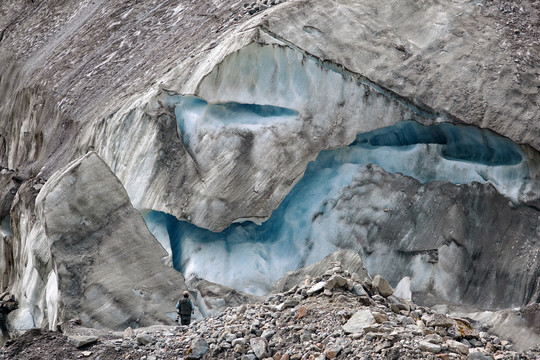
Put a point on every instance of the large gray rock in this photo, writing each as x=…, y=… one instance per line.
x=108, y=265
x=477, y=355
x=457, y=347
x=199, y=347
x=440, y=320
x=335, y=281
x=403, y=289
x=259, y=347
x=429, y=347
x=382, y=286
x=82, y=341
x=361, y=320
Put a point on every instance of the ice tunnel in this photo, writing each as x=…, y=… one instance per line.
x=252, y=257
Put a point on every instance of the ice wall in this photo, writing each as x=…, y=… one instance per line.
x=5, y=229
x=458, y=154
x=252, y=257
x=232, y=146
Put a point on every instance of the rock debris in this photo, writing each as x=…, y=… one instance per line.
x=321, y=318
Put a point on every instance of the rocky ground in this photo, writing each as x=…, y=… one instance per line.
x=334, y=316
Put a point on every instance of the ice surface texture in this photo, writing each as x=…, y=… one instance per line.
x=252, y=257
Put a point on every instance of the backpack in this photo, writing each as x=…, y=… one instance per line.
x=184, y=306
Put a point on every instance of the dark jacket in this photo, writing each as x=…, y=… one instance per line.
x=184, y=306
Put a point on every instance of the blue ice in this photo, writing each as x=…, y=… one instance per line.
x=5, y=228
x=193, y=113
x=252, y=257
x=462, y=143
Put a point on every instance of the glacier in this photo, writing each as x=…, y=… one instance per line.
x=251, y=257
x=212, y=127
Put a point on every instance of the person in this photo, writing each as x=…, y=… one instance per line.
x=185, y=308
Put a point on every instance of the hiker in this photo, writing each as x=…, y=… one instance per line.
x=185, y=308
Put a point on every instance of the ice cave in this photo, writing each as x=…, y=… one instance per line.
x=252, y=257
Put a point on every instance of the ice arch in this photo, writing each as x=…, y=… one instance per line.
x=252, y=257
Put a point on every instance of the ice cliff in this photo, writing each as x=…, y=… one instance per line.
x=309, y=223
x=254, y=145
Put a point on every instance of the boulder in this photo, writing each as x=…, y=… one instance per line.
x=442, y=320
x=259, y=347
x=361, y=320
x=335, y=281
x=199, y=347
x=317, y=288
x=457, y=347
x=398, y=303
x=128, y=333
x=434, y=339
x=429, y=347
x=144, y=339
x=80, y=341
x=359, y=290
x=288, y=303
x=403, y=289
x=332, y=351
x=379, y=317
x=478, y=355
x=382, y=286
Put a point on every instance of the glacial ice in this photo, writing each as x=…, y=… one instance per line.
x=251, y=257
x=265, y=97
x=194, y=115
x=461, y=143
x=157, y=225
x=51, y=298
x=285, y=76
x=5, y=228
